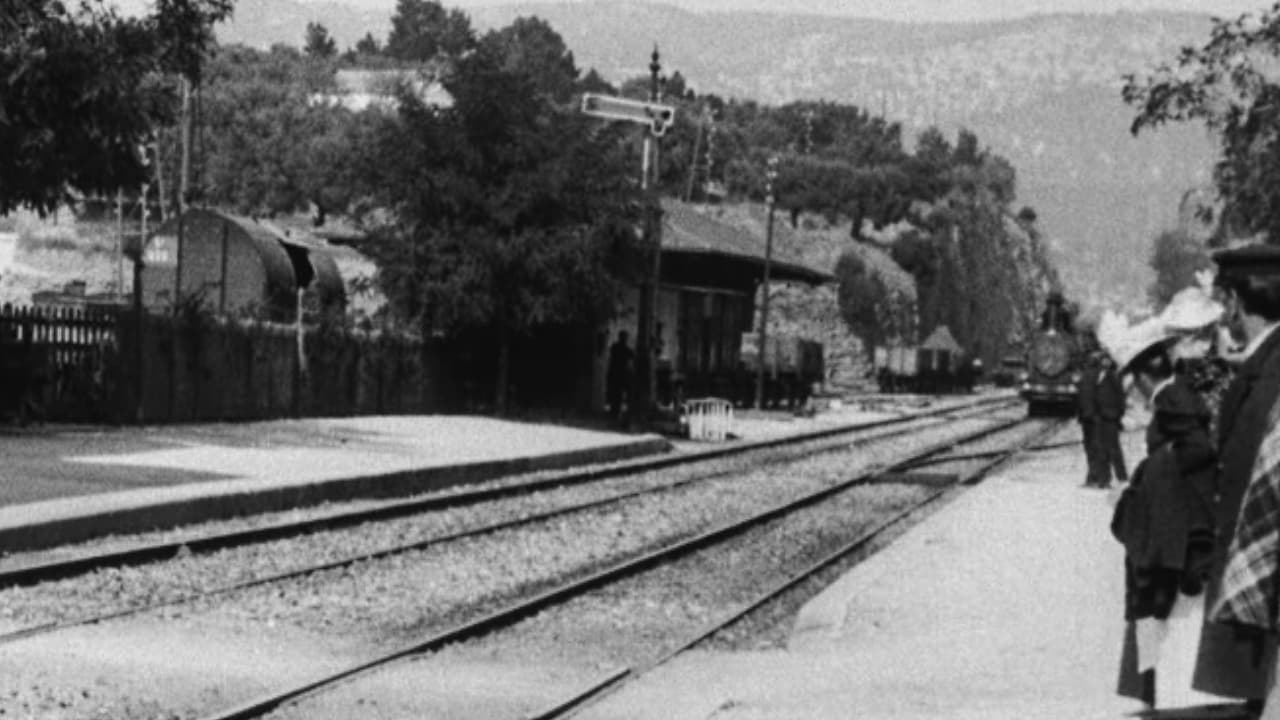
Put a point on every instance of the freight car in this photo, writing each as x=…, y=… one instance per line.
x=792, y=367
x=1053, y=362
x=938, y=365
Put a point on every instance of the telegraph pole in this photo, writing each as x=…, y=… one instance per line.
x=763, y=338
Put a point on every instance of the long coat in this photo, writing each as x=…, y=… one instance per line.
x=1109, y=397
x=1165, y=519
x=1226, y=663
x=1087, y=397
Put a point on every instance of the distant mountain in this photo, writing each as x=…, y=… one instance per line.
x=1042, y=91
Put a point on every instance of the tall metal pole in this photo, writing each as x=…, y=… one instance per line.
x=643, y=384
x=763, y=338
x=184, y=172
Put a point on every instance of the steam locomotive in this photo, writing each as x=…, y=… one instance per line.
x=1054, y=358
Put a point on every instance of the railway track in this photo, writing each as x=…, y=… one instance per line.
x=26, y=573
x=130, y=609
x=573, y=704
x=512, y=613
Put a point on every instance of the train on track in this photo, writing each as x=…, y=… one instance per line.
x=1055, y=355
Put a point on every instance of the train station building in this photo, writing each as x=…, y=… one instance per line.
x=710, y=272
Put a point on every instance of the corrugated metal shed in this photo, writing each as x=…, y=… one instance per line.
x=238, y=264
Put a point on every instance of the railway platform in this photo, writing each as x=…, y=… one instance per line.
x=63, y=484
x=1006, y=603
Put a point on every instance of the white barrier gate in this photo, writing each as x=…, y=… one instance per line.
x=709, y=418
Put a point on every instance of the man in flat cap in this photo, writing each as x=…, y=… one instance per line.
x=1238, y=643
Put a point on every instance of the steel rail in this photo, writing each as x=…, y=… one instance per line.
x=993, y=453
x=32, y=573
x=615, y=679
x=47, y=628
x=524, y=608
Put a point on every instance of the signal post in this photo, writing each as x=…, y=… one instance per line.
x=657, y=118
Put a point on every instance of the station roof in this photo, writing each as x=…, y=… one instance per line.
x=686, y=231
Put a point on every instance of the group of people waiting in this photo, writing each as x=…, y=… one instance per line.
x=1200, y=516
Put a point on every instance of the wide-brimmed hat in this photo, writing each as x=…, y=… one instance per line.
x=1126, y=343
x=1256, y=259
x=1191, y=309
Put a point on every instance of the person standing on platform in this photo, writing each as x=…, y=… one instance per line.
x=1087, y=413
x=1238, y=645
x=1165, y=521
x=1110, y=400
x=618, y=375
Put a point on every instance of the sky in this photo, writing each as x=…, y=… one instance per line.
x=901, y=10
x=930, y=10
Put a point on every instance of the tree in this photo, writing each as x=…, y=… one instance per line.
x=1230, y=85
x=422, y=30
x=77, y=97
x=269, y=147
x=529, y=47
x=867, y=307
x=1175, y=258
x=368, y=45
x=318, y=42
x=512, y=211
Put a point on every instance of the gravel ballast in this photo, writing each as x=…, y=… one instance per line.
x=370, y=606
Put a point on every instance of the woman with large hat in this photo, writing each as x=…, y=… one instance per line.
x=1165, y=521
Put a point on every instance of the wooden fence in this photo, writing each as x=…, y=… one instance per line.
x=106, y=365
x=58, y=363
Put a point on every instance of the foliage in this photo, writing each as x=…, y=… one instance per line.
x=422, y=30
x=319, y=44
x=868, y=307
x=1175, y=258
x=268, y=145
x=512, y=210
x=77, y=97
x=530, y=48
x=1229, y=84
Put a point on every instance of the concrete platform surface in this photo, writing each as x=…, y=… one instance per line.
x=65, y=484
x=1006, y=603
x=62, y=484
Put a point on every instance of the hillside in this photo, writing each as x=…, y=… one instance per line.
x=1043, y=91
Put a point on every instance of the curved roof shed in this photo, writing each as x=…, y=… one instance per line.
x=234, y=265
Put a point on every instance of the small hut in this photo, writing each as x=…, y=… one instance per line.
x=940, y=353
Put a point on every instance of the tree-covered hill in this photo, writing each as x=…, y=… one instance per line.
x=1043, y=92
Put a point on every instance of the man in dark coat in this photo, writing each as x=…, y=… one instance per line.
x=617, y=381
x=1109, y=400
x=1087, y=414
x=1232, y=660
